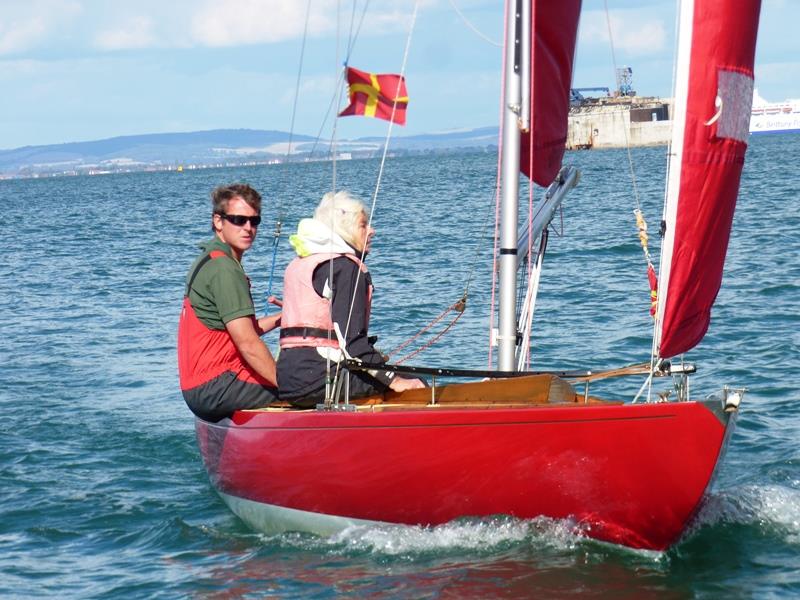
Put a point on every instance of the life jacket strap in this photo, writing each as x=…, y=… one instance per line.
x=307, y=332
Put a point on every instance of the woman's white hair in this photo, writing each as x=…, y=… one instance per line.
x=341, y=211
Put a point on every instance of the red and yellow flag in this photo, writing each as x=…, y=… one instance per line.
x=373, y=95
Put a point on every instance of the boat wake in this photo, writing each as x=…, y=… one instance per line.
x=490, y=534
x=774, y=510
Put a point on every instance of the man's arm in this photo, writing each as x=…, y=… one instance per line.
x=253, y=350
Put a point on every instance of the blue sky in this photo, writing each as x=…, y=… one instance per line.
x=74, y=70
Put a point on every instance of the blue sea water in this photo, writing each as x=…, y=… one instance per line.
x=104, y=495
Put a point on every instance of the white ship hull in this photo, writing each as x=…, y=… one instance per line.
x=774, y=117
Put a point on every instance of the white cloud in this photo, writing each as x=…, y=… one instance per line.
x=138, y=33
x=633, y=31
x=38, y=24
x=19, y=36
x=26, y=25
x=241, y=22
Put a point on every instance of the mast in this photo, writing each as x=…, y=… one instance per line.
x=517, y=27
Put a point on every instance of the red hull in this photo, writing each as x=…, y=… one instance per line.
x=628, y=474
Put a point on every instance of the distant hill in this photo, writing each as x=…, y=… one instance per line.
x=483, y=136
x=216, y=147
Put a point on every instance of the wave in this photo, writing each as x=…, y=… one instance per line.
x=773, y=510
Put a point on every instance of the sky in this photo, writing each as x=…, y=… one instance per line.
x=79, y=70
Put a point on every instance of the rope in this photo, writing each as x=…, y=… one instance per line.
x=459, y=306
x=432, y=341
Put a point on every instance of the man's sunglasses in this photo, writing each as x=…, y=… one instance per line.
x=240, y=220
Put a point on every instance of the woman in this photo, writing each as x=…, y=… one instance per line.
x=318, y=326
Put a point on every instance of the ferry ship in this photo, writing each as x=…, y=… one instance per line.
x=774, y=117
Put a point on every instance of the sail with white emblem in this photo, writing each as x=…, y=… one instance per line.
x=713, y=99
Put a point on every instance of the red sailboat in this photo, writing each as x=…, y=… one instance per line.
x=522, y=444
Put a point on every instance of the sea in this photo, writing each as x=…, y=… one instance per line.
x=103, y=493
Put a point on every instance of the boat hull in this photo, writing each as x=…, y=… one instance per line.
x=627, y=474
x=775, y=118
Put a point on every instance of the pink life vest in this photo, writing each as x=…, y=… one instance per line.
x=306, y=317
x=205, y=353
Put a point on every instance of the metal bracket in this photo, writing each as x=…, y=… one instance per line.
x=337, y=407
x=732, y=398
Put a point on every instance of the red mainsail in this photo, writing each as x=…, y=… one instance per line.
x=554, y=30
x=714, y=92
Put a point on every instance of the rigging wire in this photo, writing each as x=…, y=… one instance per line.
x=384, y=154
x=354, y=36
x=459, y=306
x=279, y=221
x=654, y=348
x=474, y=29
x=299, y=75
x=336, y=383
x=331, y=383
x=640, y=221
x=338, y=103
x=336, y=96
x=627, y=142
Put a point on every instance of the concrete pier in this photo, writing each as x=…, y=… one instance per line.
x=619, y=122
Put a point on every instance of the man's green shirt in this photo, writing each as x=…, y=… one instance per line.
x=221, y=290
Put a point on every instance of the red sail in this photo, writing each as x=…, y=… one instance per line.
x=719, y=93
x=554, y=29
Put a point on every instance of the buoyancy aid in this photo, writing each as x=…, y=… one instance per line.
x=306, y=317
x=205, y=353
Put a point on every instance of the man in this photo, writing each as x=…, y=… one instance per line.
x=223, y=364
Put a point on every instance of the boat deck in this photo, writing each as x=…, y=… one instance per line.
x=518, y=392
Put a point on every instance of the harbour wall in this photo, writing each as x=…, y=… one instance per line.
x=619, y=122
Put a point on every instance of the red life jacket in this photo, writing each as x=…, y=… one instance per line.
x=205, y=353
x=306, y=317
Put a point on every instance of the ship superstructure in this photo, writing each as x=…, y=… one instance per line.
x=774, y=117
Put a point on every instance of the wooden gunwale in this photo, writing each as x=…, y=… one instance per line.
x=520, y=392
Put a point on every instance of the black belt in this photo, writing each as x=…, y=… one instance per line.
x=306, y=332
